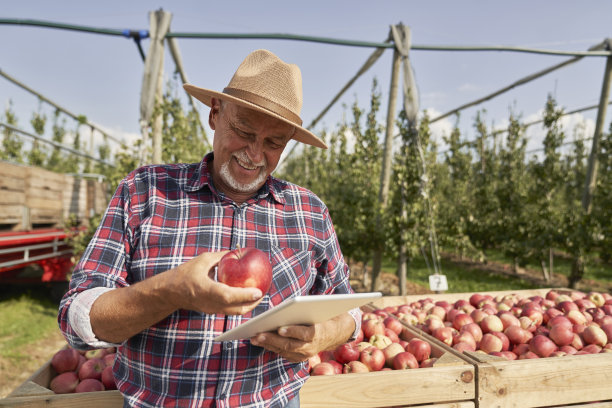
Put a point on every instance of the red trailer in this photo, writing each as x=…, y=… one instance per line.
x=48, y=248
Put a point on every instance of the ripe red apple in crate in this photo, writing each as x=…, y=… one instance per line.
x=246, y=268
x=65, y=360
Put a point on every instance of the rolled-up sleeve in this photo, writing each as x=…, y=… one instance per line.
x=102, y=265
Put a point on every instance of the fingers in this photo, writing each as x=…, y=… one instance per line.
x=291, y=349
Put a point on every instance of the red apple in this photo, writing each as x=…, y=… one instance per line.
x=491, y=323
x=91, y=369
x=474, y=329
x=475, y=299
x=64, y=383
x=528, y=355
x=246, y=268
x=355, y=367
x=504, y=339
x=444, y=334
x=391, y=351
x=65, y=360
x=346, y=352
x=312, y=361
x=591, y=349
x=373, y=357
x=337, y=366
x=428, y=363
x=461, y=319
x=393, y=324
x=109, y=359
x=372, y=327
x=326, y=355
x=561, y=334
x=464, y=337
x=477, y=315
x=508, y=319
x=607, y=329
x=89, y=385
x=568, y=350
x=323, y=369
x=463, y=346
x=108, y=379
x=566, y=306
x=391, y=335
x=542, y=346
x=594, y=335
x=518, y=335
x=521, y=348
x=490, y=343
x=420, y=349
x=559, y=320
x=405, y=361
x=380, y=340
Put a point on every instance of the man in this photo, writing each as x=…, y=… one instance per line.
x=146, y=281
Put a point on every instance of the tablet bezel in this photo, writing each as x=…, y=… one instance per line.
x=299, y=310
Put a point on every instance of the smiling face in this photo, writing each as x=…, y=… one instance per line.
x=247, y=146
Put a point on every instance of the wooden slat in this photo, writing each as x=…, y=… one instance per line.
x=12, y=197
x=15, y=171
x=545, y=382
x=101, y=399
x=388, y=388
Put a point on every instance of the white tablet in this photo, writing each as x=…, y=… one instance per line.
x=306, y=310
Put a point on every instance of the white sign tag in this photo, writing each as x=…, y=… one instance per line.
x=438, y=283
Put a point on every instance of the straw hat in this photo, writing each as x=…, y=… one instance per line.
x=265, y=83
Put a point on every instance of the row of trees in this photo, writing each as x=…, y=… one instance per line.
x=480, y=194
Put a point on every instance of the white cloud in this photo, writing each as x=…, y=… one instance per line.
x=468, y=87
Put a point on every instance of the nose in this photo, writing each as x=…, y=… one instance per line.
x=255, y=152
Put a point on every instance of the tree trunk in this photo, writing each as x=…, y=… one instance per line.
x=545, y=271
x=577, y=271
x=402, y=269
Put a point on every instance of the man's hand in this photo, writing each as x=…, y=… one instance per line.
x=299, y=343
x=203, y=294
x=119, y=314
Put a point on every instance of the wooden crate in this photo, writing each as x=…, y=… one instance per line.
x=32, y=196
x=35, y=393
x=545, y=382
x=450, y=383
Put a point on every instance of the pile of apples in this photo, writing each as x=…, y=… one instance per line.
x=514, y=326
x=379, y=346
x=83, y=371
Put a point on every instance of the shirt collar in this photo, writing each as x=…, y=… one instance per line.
x=202, y=177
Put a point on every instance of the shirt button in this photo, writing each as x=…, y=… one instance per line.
x=227, y=346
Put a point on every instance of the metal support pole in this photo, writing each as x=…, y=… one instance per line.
x=591, y=178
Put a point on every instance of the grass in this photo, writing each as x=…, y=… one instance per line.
x=594, y=269
x=459, y=279
x=27, y=315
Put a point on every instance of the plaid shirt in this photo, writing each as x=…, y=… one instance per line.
x=161, y=217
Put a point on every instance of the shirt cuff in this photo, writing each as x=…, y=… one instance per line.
x=356, y=315
x=78, y=316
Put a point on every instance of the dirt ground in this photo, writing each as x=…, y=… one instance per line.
x=14, y=372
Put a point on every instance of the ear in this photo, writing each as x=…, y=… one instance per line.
x=213, y=115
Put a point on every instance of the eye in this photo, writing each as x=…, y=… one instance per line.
x=275, y=145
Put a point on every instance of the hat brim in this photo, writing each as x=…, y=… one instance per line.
x=205, y=96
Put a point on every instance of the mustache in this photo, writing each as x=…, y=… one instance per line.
x=244, y=157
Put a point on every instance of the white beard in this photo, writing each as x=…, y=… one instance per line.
x=235, y=184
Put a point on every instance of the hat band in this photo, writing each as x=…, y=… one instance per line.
x=264, y=103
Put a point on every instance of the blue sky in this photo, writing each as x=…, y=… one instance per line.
x=100, y=76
